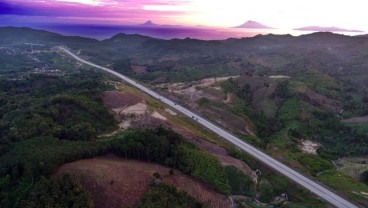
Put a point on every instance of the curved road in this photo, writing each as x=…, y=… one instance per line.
x=314, y=187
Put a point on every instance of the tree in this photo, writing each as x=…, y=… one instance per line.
x=282, y=89
x=364, y=177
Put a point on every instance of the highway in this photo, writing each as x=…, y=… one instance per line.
x=314, y=187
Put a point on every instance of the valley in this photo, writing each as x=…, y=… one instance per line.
x=293, y=98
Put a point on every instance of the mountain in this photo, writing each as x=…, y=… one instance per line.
x=149, y=23
x=253, y=25
x=29, y=35
x=326, y=29
x=318, y=74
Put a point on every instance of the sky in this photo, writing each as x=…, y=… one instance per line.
x=282, y=14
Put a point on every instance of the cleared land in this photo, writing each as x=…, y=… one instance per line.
x=116, y=99
x=115, y=182
x=362, y=119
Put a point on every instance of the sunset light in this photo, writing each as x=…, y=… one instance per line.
x=284, y=14
x=183, y=103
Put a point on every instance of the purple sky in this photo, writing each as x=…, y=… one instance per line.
x=85, y=11
x=282, y=14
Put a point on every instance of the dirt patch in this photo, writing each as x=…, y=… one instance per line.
x=308, y=146
x=228, y=98
x=158, y=116
x=171, y=112
x=202, y=144
x=219, y=152
x=279, y=77
x=226, y=119
x=352, y=166
x=213, y=80
x=323, y=101
x=115, y=182
x=249, y=130
x=362, y=119
x=198, y=190
x=136, y=110
x=149, y=122
x=116, y=99
x=227, y=161
x=139, y=69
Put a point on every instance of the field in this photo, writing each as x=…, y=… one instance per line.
x=346, y=185
x=116, y=99
x=362, y=119
x=116, y=182
x=353, y=167
x=361, y=127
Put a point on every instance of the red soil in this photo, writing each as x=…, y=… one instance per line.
x=115, y=182
x=323, y=101
x=356, y=120
x=139, y=69
x=116, y=99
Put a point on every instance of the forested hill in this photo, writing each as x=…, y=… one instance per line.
x=51, y=108
x=343, y=58
x=18, y=35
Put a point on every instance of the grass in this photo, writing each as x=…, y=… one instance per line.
x=321, y=83
x=263, y=100
x=346, y=185
x=353, y=167
x=240, y=184
x=179, y=120
x=282, y=138
x=313, y=163
x=295, y=106
x=289, y=109
x=203, y=101
x=360, y=127
x=162, y=195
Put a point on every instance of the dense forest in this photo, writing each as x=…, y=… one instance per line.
x=51, y=111
x=300, y=119
x=47, y=121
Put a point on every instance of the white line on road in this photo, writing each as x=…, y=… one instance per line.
x=314, y=187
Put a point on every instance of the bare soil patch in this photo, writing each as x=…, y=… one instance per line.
x=116, y=99
x=362, y=119
x=219, y=152
x=199, y=191
x=115, y=182
x=139, y=69
x=308, y=146
x=242, y=166
x=171, y=112
x=202, y=144
x=323, y=101
x=157, y=115
x=352, y=166
x=136, y=110
x=226, y=118
x=279, y=77
x=149, y=122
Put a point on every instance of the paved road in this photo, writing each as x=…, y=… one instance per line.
x=314, y=187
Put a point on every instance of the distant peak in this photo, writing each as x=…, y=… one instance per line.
x=254, y=25
x=326, y=29
x=148, y=23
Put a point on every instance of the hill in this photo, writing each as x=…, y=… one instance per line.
x=326, y=29
x=149, y=23
x=253, y=25
x=278, y=92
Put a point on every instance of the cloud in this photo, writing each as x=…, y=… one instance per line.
x=86, y=8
